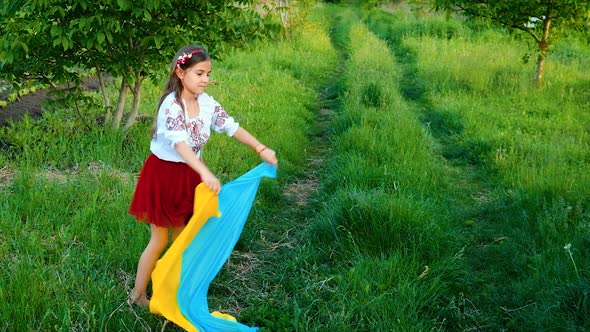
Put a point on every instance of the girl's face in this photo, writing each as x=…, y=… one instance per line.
x=196, y=78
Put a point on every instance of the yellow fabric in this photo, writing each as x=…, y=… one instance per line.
x=166, y=275
x=222, y=315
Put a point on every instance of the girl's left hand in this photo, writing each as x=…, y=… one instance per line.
x=268, y=155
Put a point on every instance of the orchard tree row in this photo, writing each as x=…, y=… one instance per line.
x=55, y=42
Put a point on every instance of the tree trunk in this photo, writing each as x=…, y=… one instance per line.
x=105, y=97
x=136, y=100
x=284, y=4
x=121, y=104
x=540, y=69
x=543, y=46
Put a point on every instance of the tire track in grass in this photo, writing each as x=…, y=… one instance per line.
x=467, y=199
x=515, y=274
x=267, y=275
x=264, y=279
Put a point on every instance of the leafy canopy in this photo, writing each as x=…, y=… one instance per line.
x=523, y=14
x=52, y=39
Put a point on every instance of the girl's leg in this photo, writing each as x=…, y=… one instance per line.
x=176, y=232
x=147, y=262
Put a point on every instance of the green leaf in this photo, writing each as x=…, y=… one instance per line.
x=65, y=43
x=8, y=58
x=100, y=37
x=124, y=4
x=158, y=41
x=55, y=30
x=24, y=46
x=109, y=36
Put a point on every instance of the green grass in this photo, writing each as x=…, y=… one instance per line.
x=62, y=238
x=381, y=220
x=520, y=160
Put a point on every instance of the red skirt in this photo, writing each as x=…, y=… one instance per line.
x=165, y=193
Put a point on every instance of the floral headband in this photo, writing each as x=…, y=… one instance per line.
x=185, y=56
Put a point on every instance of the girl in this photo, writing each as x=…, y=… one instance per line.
x=164, y=195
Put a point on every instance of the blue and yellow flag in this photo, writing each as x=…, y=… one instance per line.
x=181, y=279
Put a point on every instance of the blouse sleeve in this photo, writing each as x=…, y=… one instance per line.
x=222, y=122
x=174, y=125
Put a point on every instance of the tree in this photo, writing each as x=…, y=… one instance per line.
x=541, y=19
x=58, y=41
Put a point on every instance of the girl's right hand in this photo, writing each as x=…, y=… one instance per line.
x=211, y=181
x=269, y=156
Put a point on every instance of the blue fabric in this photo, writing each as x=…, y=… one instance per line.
x=211, y=247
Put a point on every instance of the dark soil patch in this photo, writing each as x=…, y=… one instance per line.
x=28, y=104
x=33, y=103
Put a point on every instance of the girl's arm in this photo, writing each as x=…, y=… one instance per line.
x=185, y=151
x=266, y=154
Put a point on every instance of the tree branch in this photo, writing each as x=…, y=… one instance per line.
x=472, y=12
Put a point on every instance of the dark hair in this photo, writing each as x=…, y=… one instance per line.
x=185, y=58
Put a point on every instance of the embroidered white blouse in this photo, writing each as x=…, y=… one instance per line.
x=174, y=125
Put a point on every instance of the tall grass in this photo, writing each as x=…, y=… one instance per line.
x=61, y=140
x=521, y=156
x=66, y=249
x=381, y=219
x=272, y=92
x=535, y=138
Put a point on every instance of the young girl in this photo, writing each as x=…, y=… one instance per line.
x=164, y=195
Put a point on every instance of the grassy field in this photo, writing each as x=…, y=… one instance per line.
x=424, y=184
x=519, y=167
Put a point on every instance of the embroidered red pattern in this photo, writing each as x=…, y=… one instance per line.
x=174, y=123
x=197, y=139
x=221, y=116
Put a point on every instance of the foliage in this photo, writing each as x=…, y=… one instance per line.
x=366, y=4
x=60, y=41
